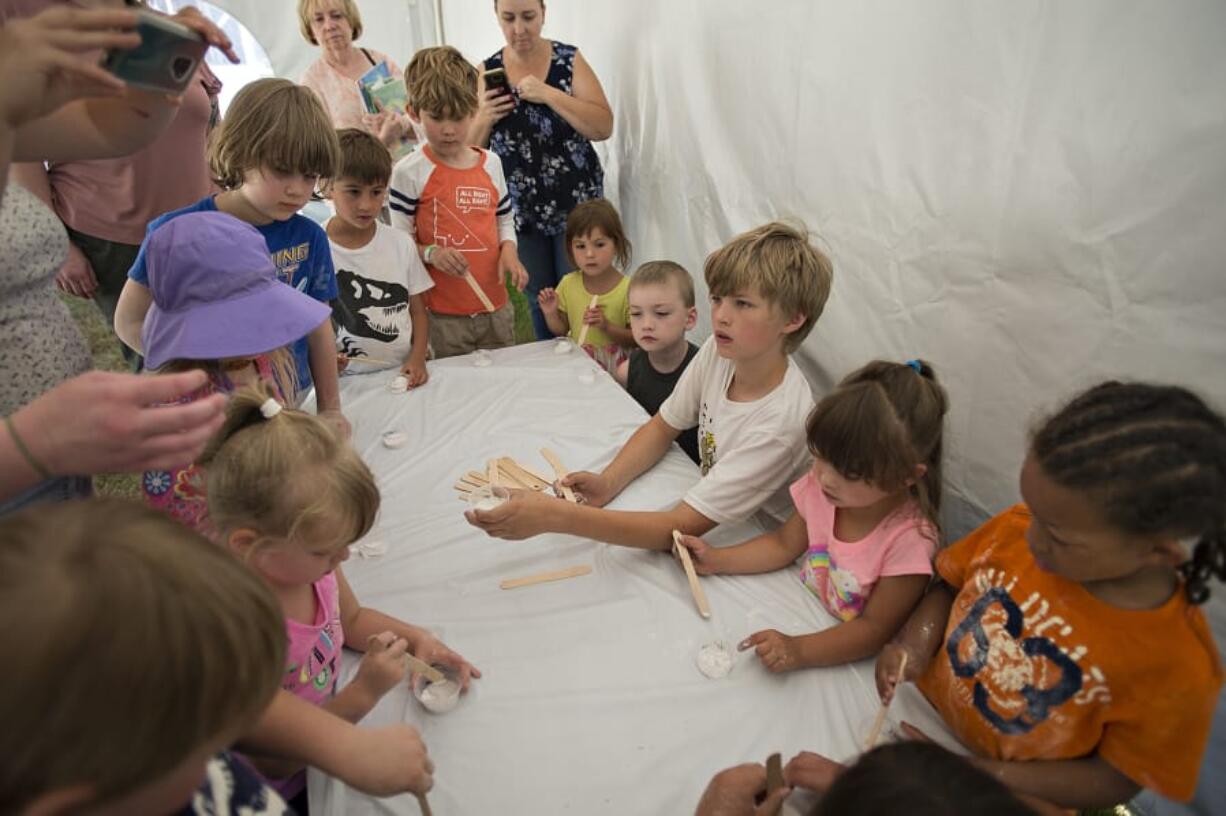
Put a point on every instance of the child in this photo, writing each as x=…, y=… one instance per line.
x=217, y=306
x=288, y=496
x=268, y=155
x=748, y=399
x=661, y=298
x=916, y=778
x=1062, y=643
x=380, y=312
x=126, y=721
x=452, y=199
x=594, y=240
x=866, y=516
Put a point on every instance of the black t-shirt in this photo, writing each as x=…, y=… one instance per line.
x=650, y=388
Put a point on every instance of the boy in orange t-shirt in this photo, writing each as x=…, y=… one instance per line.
x=1064, y=644
x=452, y=198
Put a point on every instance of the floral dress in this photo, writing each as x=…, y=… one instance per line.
x=549, y=166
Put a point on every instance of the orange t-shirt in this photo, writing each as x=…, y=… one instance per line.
x=1035, y=667
x=465, y=209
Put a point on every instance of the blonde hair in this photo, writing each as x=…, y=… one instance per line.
x=307, y=7
x=274, y=124
x=882, y=420
x=135, y=640
x=662, y=273
x=287, y=476
x=280, y=361
x=442, y=83
x=597, y=213
x=787, y=270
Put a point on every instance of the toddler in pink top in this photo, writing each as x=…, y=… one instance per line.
x=865, y=520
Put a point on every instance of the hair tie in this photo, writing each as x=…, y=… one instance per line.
x=917, y=365
x=270, y=408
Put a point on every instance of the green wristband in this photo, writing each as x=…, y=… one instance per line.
x=428, y=253
x=25, y=452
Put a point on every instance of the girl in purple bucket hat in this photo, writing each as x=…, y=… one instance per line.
x=219, y=307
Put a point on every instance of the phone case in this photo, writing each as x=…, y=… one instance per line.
x=166, y=59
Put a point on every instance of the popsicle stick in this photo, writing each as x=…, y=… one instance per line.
x=522, y=475
x=471, y=482
x=556, y=575
x=366, y=358
x=774, y=773
x=491, y=473
x=874, y=733
x=560, y=472
x=423, y=804
x=528, y=472
x=509, y=479
x=423, y=668
x=479, y=478
x=476, y=287
x=583, y=331
x=464, y=487
x=700, y=597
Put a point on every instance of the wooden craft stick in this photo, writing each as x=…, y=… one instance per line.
x=423, y=668
x=511, y=468
x=774, y=773
x=464, y=487
x=556, y=575
x=561, y=473
x=479, y=478
x=700, y=597
x=476, y=287
x=366, y=358
x=583, y=331
x=524, y=470
x=423, y=804
x=471, y=482
x=510, y=479
x=870, y=742
x=491, y=471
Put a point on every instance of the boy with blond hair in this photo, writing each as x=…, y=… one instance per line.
x=746, y=396
x=453, y=199
x=661, y=298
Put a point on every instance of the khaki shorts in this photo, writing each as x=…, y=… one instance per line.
x=452, y=335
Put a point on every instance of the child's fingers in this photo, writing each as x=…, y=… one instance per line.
x=753, y=640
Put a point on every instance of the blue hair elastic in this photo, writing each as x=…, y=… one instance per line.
x=917, y=365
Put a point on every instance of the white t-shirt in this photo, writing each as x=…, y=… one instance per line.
x=750, y=451
x=372, y=308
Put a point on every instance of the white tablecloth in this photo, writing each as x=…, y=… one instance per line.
x=591, y=702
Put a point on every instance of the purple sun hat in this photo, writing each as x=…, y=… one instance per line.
x=216, y=294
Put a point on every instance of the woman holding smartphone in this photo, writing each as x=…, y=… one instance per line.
x=543, y=130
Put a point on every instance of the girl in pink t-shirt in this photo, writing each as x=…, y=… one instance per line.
x=865, y=527
x=288, y=496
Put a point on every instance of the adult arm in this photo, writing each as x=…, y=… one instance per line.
x=491, y=107
x=76, y=276
x=101, y=422
x=1085, y=784
x=586, y=109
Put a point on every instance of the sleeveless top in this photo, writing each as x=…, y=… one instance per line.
x=650, y=388
x=549, y=166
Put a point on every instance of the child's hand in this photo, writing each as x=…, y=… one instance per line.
x=416, y=373
x=594, y=316
x=382, y=667
x=777, y=651
x=338, y=422
x=342, y=361
x=450, y=261
x=526, y=514
x=548, y=300
x=385, y=761
x=592, y=488
x=701, y=553
x=734, y=792
x=812, y=771
x=509, y=264
x=433, y=651
x=887, y=669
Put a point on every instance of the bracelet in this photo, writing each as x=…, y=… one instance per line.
x=25, y=452
x=428, y=253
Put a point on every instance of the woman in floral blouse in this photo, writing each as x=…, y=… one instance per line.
x=543, y=132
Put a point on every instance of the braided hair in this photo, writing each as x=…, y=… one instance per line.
x=1153, y=458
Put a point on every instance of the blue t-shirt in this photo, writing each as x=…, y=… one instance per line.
x=300, y=252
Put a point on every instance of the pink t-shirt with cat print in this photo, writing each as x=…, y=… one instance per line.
x=842, y=573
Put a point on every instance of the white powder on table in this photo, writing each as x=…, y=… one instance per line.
x=440, y=697
x=714, y=660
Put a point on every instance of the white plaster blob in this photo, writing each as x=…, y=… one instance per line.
x=394, y=439
x=439, y=697
x=714, y=660
x=563, y=346
x=398, y=385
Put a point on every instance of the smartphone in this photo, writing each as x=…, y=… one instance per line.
x=166, y=59
x=496, y=78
